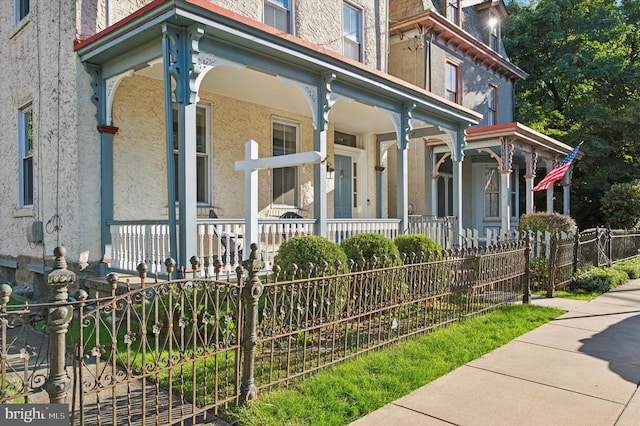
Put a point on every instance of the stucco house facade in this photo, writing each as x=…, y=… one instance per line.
x=127, y=125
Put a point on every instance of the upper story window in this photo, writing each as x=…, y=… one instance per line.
x=203, y=149
x=22, y=9
x=492, y=105
x=285, y=179
x=280, y=14
x=494, y=32
x=25, y=153
x=452, y=82
x=453, y=11
x=352, y=31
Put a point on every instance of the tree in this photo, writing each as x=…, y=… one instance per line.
x=621, y=205
x=583, y=60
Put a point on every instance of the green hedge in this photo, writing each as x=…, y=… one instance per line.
x=416, y=243
x=308, y=248
x=601, y=279
x=369, y=244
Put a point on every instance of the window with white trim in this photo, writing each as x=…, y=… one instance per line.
x=280, y=14
x=285, y=187
x=203, y=158
x=452, y=85
x=23, y=7
x=352, y=31
x=25, y=153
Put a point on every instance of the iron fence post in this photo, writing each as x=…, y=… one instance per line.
x=526, y=293
x=609, y=248
x=5, y=295
x=598, y=249
x=251, y=292
x=59, y=315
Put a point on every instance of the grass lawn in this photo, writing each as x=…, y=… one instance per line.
x=346, y=392
x=577, y=294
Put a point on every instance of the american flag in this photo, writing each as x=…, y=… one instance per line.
x=557, y=172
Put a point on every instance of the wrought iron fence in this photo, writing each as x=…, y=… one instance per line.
x=172, y=351
x=601, y=246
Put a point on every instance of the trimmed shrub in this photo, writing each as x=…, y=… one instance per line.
x=367, y=245
x=547, y=222
x=308, y=248
x=601, y=279
x=417, y=243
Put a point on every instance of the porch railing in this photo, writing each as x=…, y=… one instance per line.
x=135, y=241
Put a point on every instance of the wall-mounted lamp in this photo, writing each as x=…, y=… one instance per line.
x=379, y=168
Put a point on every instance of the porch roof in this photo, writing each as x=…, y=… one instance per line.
x=143, y=29
x=520, y=134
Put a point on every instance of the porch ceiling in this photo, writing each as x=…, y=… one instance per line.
x=260, y=88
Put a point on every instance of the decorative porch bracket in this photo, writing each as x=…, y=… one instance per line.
x=531, y=161
x=250, y=165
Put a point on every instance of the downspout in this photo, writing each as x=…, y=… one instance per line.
x=378, y=36
x=427, y=55
x=107, y=7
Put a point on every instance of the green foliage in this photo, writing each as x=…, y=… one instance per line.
x=417, y=243
x=601, y=279
x=583, y=85
x=621, y=205
x=543, y=222
x=308, y=248
x=367, y=245
x=346, y=392
x=629, y=267
x=539, y=273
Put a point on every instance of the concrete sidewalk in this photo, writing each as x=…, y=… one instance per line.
x=581, y=369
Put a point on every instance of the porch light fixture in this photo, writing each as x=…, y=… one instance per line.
x=379, y=168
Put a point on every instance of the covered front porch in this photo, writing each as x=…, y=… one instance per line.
x=175, y=112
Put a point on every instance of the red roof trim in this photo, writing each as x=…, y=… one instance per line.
x=273, y=31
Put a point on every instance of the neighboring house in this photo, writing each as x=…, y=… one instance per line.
x=116, y=111
x=453, y=48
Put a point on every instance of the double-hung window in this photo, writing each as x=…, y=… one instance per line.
x=22, y=9
x=25, y=152
x=453, y=11
x=452, y=82
x=494, y=33
x=285, y=179
x=203, y=146
x=492, y=105
x=280, y=14
x=491, y=192
x=352, y=31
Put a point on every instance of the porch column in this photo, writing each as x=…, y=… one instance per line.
x=566, y=191
x=402, y=167
x=180, y=61
x=531, y=160
x=106, y=191
x=187, y=179
x=325, y=102
x=505, y=201
x=549, y=164
x=432, y=166
x=457, y=156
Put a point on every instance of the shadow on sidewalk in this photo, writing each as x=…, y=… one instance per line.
x=619, y=344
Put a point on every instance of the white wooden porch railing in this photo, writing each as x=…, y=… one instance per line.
x=148, y=241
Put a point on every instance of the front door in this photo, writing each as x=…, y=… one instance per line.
x=343, y=192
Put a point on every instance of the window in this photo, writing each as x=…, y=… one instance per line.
x=345, y=139
x=22, y=9
x=491, y=192
x=492, y=105
x=203, y=174
x=453, y=11
x=494, y=33
x=25, y=152
x=451, y=83
x=280, y=14
x=352, y=31
x=285, y=179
